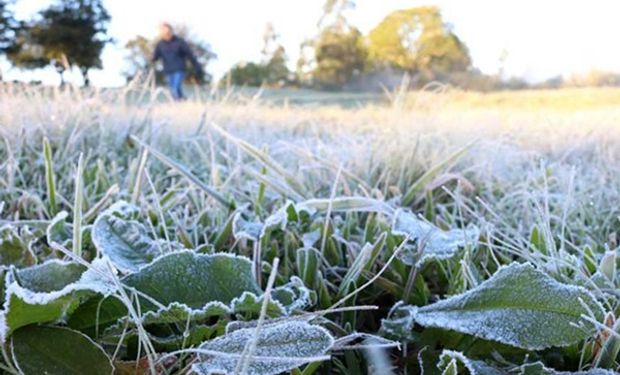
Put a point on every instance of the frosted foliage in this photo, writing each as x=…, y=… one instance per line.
x=243, y=229
x=436, y=243
x=50, y=276
x=58, y=231
x=126, y=243
x=46, y=293
x=472, y=366
x=281, y=347
x=195, y=279
x=538, y=368
x=475, y=367
x=518, y=306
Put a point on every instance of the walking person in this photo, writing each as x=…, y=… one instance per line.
x=174, y=53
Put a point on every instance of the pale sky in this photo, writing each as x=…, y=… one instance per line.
x=542, y=38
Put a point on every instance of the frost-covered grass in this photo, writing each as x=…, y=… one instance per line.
x=390, y=231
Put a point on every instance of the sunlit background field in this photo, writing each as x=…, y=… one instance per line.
x=533, y=157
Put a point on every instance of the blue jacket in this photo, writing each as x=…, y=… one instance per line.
x=173, y=54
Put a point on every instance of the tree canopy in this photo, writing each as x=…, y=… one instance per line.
x=271, y=71
x=417, y=40
x=340, y=54
x=67, y=33
x=7, y=23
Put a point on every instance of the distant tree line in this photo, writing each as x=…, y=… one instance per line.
x=71, y=34
x=415, y=41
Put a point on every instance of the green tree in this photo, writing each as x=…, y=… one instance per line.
x=248, y=74
x=7, y=23
x=141, y=52
x=272, y=71
x=277, y=72
x=417, y=40
x=67, y=33
x=340, y=54
x=334, y=13
x=337, y=54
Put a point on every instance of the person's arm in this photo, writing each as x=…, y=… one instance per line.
x=187, y=51
x=156, y=54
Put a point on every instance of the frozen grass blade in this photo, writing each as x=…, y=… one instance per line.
x=431, y=173
x=77, y=207
x=264, y=159
x=50, y=180
x=246, y=357
x=230, y=204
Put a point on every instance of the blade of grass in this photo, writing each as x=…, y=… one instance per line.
x=430, y=174
x=50, y=180
x=77, y=208
x=230, y=204
x=265, y=160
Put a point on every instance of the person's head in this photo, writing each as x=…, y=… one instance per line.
x=165, y=31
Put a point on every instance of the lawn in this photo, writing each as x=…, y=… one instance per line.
x=437, y=232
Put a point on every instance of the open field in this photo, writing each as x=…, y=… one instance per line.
x=430, y=233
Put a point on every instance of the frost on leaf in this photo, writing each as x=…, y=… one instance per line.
x=176, y=312
x=434, y=242
x=538, y=368
x=194, y=279
x=14, y=246
x=57, y=351
x=280, y=348
x=285, y=299
x=180, y=286
x=293, y=295
x=518, y=306
x=58, y=231
x=46, y=293
x=450, y=362
x=249, y=305
x=125, y=242
x=244, y=229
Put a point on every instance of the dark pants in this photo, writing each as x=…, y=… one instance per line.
x=175, y=82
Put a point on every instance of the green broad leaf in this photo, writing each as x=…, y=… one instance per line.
x=244, y=229
x=518, y=306
x=294, y=296
x=280, y=347
x=194, y=279
x=538, y=368
x=59, y=231
x=193, y=337
x=96, y=314
x=184, y=285
x=47, y=293
x=249, y=305
x=125, y=242
x=288, y=213
x=56, y=350
x=450, y=362
x=433, y=242
x=14, y=247
x=285, y=299
x=176, y=312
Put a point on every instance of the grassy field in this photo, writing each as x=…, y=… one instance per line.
x=431, y=232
